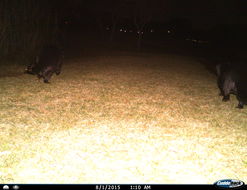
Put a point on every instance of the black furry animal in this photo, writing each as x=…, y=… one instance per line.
x=48, y=62
x=232, y=79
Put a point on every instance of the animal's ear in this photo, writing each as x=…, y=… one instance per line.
x=218, y=68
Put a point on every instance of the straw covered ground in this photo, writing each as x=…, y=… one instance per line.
x=142, y=118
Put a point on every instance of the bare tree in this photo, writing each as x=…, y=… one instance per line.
x=100, y=13
x=26, y=25
x=117, y=8
x=142, y=15
x=107, y=10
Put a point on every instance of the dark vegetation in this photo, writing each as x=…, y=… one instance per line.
x=84, y=27
x=27, y=25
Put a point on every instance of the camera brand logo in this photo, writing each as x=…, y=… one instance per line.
x=5, y=187
x=229, y=183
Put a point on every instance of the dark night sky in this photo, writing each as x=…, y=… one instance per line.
x=205, y=13
x=210, y=12
x=202, y=13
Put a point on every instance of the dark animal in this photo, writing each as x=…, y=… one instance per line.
x=232, y=79
x=48, y=62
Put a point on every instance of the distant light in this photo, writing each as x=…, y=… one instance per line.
x=125, y=30
x=107, y=28
x=131, y=31
x=151, y=30
x=121, y=30
x=168, y=31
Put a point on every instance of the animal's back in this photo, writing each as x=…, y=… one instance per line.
x=49, y=55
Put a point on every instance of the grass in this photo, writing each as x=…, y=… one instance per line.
x=120, y=119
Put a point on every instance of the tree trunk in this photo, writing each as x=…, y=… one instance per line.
x=113, y=30
x=139, y=41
